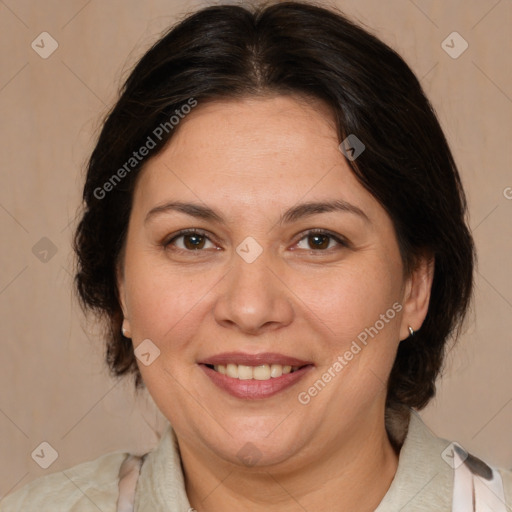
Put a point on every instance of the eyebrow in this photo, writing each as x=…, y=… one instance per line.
x=313, y=208
x=198, y=211
x=293, y=214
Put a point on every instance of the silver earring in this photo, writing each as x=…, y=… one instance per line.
x=411, y=331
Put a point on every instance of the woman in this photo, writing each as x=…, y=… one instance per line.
x=274, y=231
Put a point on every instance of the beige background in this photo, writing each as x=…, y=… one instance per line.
x=53, y=386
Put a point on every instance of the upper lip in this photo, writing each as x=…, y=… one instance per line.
x=253, y=359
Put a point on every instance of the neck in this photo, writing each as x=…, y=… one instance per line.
x=336, y=479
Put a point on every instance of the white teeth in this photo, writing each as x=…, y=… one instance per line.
x=244, y=372
x=261, y=372
x=231, y=370
x=276, y=370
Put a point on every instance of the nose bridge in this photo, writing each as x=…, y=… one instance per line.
x=252, y=297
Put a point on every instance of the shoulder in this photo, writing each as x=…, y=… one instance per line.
x=436, y=474
x=90, y=486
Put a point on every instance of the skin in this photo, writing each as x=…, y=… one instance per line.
x=250, y=160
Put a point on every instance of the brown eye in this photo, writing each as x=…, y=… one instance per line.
x=321, y=241
x=190, y=241
x=316, y=241
x=193, y=242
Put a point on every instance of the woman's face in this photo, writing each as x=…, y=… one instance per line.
x=287, y=261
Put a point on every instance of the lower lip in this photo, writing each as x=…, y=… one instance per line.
x=252, y=388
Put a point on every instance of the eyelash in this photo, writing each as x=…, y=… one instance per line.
x=184, y=232
x=337, y=238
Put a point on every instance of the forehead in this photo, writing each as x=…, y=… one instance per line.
x=253, y=152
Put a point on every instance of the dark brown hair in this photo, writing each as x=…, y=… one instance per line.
x=291, y=48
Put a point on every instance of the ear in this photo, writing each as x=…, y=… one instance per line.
x=417, y=295
x=121, y=291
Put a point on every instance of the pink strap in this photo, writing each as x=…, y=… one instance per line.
x=128, y=475
x=473, y=492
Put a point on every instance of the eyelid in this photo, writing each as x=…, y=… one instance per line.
x=342, y=241
x=319, y=231
x=168, y=240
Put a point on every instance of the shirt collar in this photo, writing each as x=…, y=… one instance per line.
x=161, y=485
x=423, y=479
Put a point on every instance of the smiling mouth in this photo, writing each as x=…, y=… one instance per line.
x=260, y=372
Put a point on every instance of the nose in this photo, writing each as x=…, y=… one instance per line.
x=253, y=298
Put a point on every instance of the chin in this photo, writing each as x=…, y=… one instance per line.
x=259, y=443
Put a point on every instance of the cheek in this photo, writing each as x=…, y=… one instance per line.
x=350, y=299
x=164, y=302
x=357, y=311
